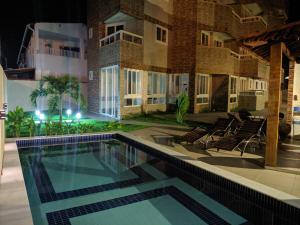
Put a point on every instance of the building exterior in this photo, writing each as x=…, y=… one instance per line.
x=55, y=48
x=3, y=100
x=143, y=53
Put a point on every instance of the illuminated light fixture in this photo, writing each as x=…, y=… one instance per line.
x=78, y=116
x=42, y=116
x=37, y=112
x=69, y=112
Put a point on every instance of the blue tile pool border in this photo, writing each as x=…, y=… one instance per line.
x=282, y=213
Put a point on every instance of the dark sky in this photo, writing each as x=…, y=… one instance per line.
x=19, y=13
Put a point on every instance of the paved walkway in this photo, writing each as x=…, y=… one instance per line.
x=249, y=166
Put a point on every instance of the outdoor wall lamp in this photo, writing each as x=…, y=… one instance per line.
x=2, y=114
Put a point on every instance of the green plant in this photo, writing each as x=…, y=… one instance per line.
x=15, y=119
x=85, y=128
x=30, y=125
x=182, y=104
x=114, y=125
x=56, y=88
x=48, y=128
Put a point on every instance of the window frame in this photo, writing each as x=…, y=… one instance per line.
x=138, y=87
x=161, y=34
x=205, y=33
x=207, y=88
x=115, y=27
x=243, y=86
x=161, y=91
x=233, y=95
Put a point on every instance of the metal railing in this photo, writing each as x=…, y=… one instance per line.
x=59, y=52
x=252, y=93
x=121, y=36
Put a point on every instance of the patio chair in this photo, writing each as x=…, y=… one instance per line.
x=219, y=128
x=248, y=134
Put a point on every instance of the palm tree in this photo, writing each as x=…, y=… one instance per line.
x=55, y=88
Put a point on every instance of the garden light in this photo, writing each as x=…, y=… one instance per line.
x=69, y=112
x=42, y=116
x=37, y=112
x=78, y=116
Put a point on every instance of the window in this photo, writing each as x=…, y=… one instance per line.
x=243, y=84
x=161, y=34
x=262, y=85
x=113, y=28
x=90, y=33
x=157, y=83
x=218, y=43
x=178, y=83
x=132, y=87
x=91, y=75
x=202, y=89
x=250, y=84
x=233, y=90
x=204, y=38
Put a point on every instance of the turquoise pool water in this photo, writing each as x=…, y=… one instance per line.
x=112, y=183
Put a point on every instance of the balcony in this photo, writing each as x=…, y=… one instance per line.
x=216, y=60
x=253, y=67
x=222, y=18
x=121, y=47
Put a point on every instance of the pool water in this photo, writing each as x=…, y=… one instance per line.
x=109, y=182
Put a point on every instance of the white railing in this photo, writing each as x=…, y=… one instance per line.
x=59, y=52
x=249, y=19
x=121, y=36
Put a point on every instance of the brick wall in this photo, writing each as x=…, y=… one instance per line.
x=289, y=116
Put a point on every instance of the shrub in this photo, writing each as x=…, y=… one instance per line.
x=182, y=104
x=15, y=120
x=30, y=125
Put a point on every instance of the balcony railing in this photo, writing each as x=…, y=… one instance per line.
x=58, y=52
x=250, y=19
x=121, y=36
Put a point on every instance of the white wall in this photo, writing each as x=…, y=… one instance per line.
x=297, y=85
x=18, y=94
x=53, y=64
x=155, y=53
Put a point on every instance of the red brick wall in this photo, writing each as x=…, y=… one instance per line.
x=182, y=54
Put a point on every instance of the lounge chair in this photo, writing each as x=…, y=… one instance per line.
x=219, y=128
x=248, y=134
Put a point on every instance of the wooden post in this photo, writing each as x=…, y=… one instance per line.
x=274, y=104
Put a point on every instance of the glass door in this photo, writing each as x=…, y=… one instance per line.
x=109, y=92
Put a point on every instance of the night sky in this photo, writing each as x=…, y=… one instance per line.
x=20, y=13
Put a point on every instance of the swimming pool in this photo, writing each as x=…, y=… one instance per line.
x=112, y=180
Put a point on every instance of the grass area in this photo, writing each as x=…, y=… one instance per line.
x=163, y=118
x=84, y=126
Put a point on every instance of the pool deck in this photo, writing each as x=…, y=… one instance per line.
x=14, y=205
x=249, y=166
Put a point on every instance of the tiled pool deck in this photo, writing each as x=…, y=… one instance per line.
x=14, y=206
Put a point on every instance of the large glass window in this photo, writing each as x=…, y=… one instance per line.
x=109, y=91
x=157, y=83
x=202, y=88
x=132, y=87
x=233, y=90
x=178, y=83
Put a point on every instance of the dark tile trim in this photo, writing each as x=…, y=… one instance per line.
x=63, y=217
x=46, y=190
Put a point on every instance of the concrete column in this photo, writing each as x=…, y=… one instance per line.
x=289, y=115
x=274, y=104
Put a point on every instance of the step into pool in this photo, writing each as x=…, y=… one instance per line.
x=111, y=180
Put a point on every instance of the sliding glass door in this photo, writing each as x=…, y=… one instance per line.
x=109, y=92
